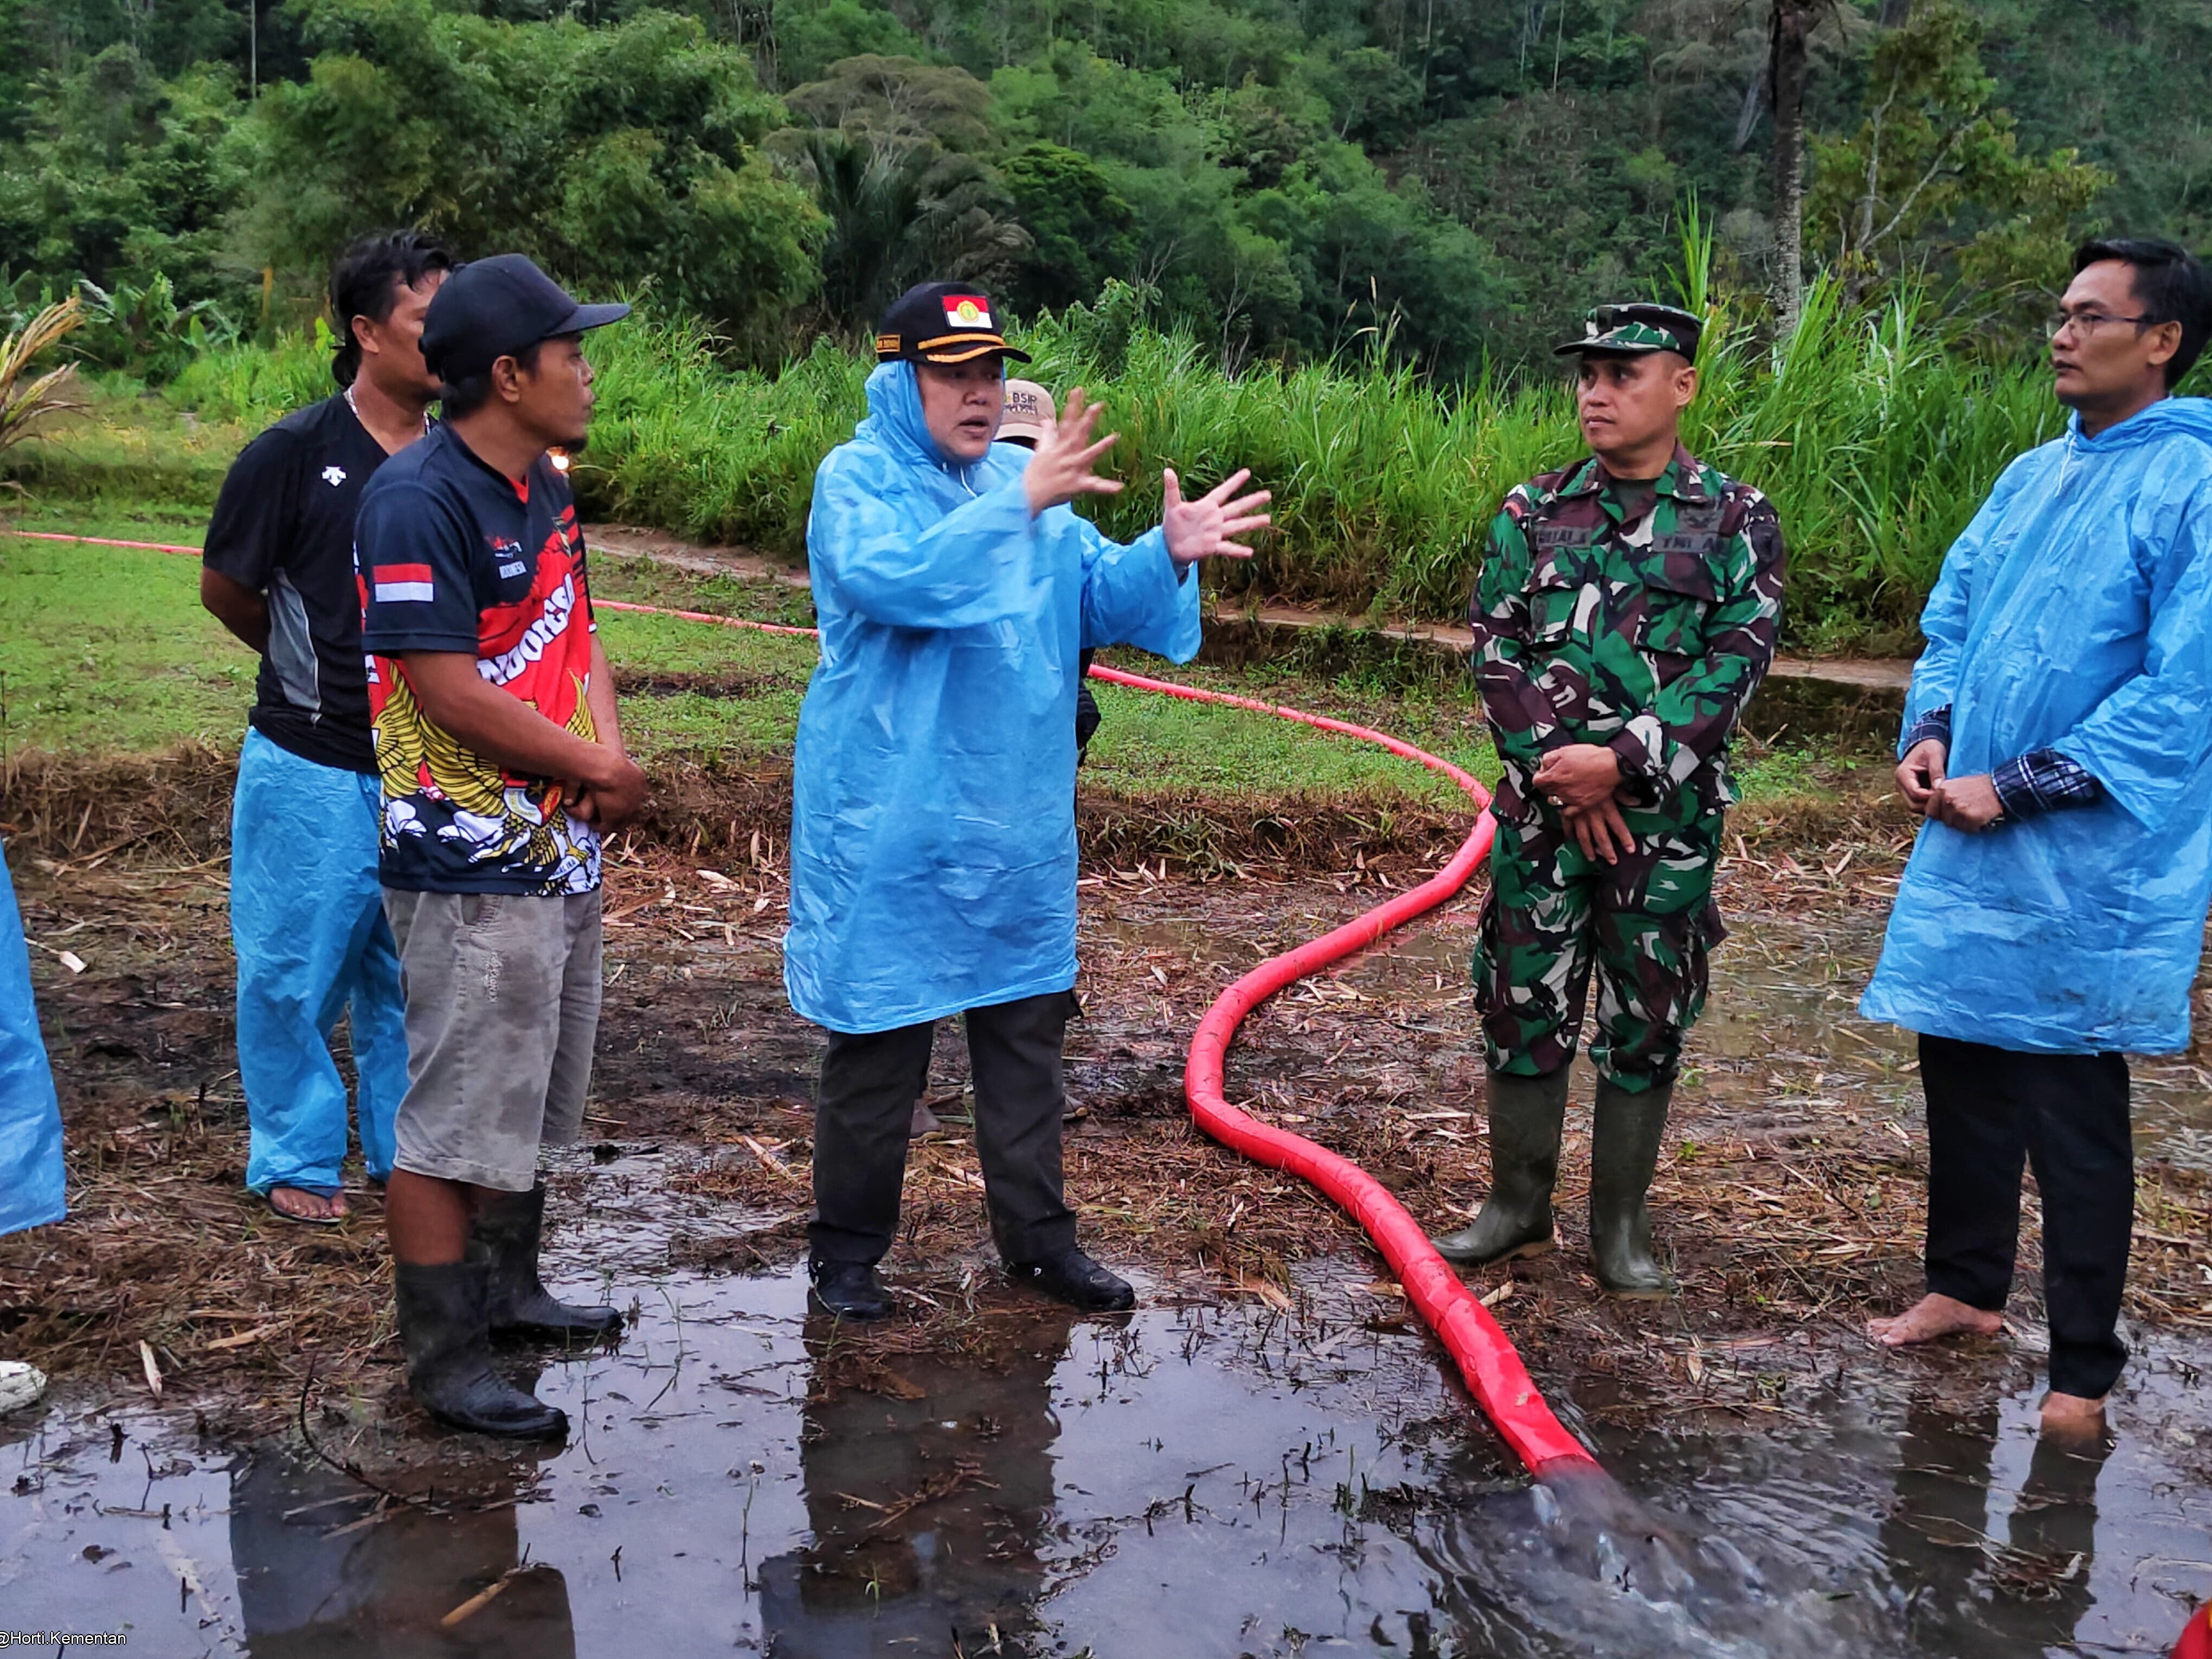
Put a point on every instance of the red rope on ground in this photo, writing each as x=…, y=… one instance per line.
x=1485, y=1354
x=700, y=616
x=103, y=541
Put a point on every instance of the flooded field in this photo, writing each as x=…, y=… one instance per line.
x=1268, y=1458
x=1194, y=1480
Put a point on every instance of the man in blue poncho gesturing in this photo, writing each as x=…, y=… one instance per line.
x=2058, y=738
x=933, y=842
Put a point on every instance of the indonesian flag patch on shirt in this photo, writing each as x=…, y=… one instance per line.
x=968, y=311
x=397, y=583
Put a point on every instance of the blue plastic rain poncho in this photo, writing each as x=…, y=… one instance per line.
x=30, y=1117
x=2074, y=614
x=933, y=839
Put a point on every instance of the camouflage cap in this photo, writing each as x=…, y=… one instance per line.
x=1633, y=330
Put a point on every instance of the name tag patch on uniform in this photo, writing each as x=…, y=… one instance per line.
x=1556, y=535
x=397, y=584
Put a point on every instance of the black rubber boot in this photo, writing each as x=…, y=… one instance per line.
x=1625, y=1137
x=850, y=1289
x=506, y=1233
x=1527, y=1115
x=442, y=1324
x=1071, y=1277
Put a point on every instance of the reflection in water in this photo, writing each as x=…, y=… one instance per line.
x=1216, y=1480
x=311, y=1582
x=2032, y=1589
x=918, y=1545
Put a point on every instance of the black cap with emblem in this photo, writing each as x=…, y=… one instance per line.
x=501, y=307
x=942, y=323
x=1634, y=329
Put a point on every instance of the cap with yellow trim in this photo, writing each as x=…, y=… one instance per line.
x=1632, y=329
x=942, y=323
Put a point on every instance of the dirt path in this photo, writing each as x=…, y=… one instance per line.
x=1887, y=674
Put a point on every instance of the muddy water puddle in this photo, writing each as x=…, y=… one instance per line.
x=1197, y=1479
x=1205, y=1478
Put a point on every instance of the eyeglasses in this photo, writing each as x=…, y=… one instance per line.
x=2089, y=322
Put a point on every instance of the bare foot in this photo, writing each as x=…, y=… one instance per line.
x=925, y=1120
x=1932, y=1318
x=2070, y=1417
x=303, y=1205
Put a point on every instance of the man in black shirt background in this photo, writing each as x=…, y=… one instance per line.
x=307, y=915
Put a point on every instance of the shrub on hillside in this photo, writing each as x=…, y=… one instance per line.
x=613, y=156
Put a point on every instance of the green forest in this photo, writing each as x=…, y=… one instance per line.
x=1332, y=239
x=1453, y=180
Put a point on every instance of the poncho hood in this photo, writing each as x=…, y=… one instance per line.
x=2167, y=418
x=895, y=425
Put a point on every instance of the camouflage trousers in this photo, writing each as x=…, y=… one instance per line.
x=1646, y=925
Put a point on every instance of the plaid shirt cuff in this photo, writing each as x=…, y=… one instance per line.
x=1935, y=723
x=2044, y=780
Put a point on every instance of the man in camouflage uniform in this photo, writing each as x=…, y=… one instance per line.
x=1627, y=608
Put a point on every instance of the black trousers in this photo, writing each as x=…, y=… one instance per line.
x=2068, y=1116
x=864, y=1107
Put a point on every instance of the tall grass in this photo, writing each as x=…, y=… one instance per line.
x=252, y=385
x=1875, y=436
x=1877, y=440
x=684, y=444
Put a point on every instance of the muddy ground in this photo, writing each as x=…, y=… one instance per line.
x=1790, y=1195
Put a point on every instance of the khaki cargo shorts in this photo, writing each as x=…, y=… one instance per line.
x=502, y=996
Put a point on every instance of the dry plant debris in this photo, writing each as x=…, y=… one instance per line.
x=1789, y=1195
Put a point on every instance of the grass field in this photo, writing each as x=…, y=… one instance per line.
x=105, y=650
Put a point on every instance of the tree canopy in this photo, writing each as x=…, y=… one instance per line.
x=1446, y=181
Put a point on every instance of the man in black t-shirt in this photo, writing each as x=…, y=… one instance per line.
x=307, y=919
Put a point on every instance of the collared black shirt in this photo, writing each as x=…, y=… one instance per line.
x=283, y=526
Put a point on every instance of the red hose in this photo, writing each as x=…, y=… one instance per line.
x=1485, y=1356
x=1500, y=1384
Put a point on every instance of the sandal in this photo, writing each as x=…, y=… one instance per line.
x=269, y=1198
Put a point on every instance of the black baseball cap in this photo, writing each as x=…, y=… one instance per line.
x=500, y=307
x=1632, y=331
x=942, y=323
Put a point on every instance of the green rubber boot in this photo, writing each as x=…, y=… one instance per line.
x=1526, y=1117
x=1625, y=1136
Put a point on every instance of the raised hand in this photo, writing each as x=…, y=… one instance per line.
x=1202, y=529
x=1062, y=468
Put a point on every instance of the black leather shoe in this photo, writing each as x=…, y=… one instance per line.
x=1071, y=1277
x=443, y=1326
x=506, y=1232
x=850, y=1289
